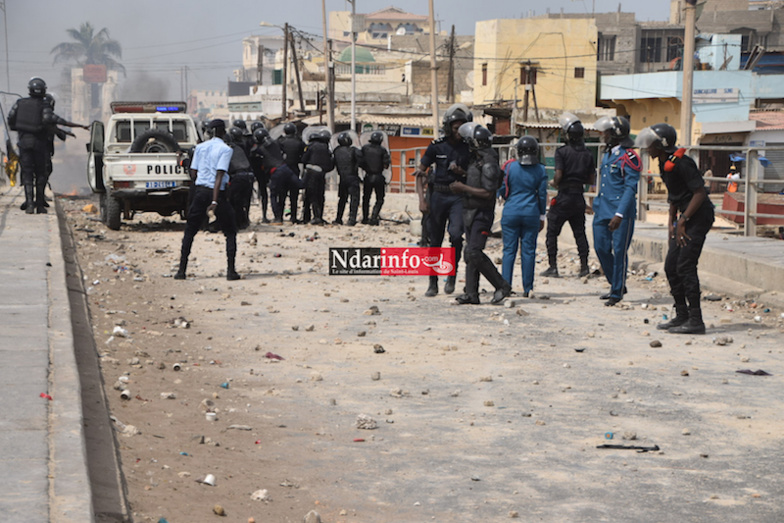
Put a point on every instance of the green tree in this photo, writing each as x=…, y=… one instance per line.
x=89, y=47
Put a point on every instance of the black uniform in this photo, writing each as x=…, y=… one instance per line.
x=293, y=148
x=444, y=205
x=262, y=178
x=347, y=161
x=30, y=117
x=319, y=156
x=485, y=173
x=282, y=179
x=680, y=265
x=240, y=188
x=578, y=167
x=375, y=158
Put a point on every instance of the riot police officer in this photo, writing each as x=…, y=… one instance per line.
x=450, y=155
x=375, y=158
x=347, y=160
x=34, y=120
x=293, y=148
x=691, y=217
x=574, y=168
x=318, y=162
x=282, y=179
x=241, y=178
x=615, y=204
x=483, y=178
x=261, y=174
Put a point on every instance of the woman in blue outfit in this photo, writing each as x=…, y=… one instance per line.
x=525, y=191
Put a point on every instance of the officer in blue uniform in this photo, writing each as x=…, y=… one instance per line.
x=450, y=155
x=615, y=205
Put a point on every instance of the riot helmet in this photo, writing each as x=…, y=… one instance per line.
x=36, y=87
x=255, y=125
x=260, y=135
x=344, y=139
x=377, y=137
x=289, y=129
x=322, y=135
x=456, y=113
x=658, y=136
x=615, y=129
x=236, y=134
x=475, y=135
x=572, y=128
x=240, y=124
x=527, y=150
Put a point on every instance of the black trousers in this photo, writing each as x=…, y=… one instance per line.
x=34, y=160
x=197, y=213
x=478, y=224
x=240, y=191
x=680, y=265
x=281, y=182
x=315, y=184
x=567, y=207
x=446, y=207
x=348, y=191
x=373, y=183
x=263, y=179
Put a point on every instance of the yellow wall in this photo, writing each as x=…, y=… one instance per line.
x=558, y=45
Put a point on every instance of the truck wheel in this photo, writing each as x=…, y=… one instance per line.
x=110, y=211
x=155, y=141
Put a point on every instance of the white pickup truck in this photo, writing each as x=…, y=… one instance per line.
x=139, y=161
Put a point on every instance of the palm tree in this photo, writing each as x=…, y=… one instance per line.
x=89, y=47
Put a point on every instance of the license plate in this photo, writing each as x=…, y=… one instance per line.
x=160, y=185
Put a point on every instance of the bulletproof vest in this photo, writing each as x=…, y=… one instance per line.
x=318, y=153
x=578, y=166
x=373, y=158
x=29, y=115
x=483, y=173
x=293, y=148
x=239, y=160
x=271, y=154
x=346, y=160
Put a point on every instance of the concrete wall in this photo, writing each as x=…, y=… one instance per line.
x=556, y=46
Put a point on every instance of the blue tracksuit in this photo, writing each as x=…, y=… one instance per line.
x=620, y=173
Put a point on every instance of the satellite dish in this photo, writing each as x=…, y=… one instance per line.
x=400, y=31
x=470, y=79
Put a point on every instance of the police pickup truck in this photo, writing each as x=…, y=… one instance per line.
x=138, y=162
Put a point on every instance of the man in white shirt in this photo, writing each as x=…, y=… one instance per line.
x=208, y=171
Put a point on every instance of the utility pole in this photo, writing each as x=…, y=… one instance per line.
x=284, y=113
x=527, y=90
x=433, y=71
x=353, y=65
x=450, y=86
x=296, y=72
x=331, y=82
x=688, y=71
x=260, y=66
x=327, y=60
x=513, y=127
x=5, y=24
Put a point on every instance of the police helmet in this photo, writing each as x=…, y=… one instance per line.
x=475, y=135
x=241, y=124
x=36, y=87
x=236, y=134
x=377, y=137
x=456, y=112
x=527, y=150
x=289, y=129
x=616, y=128
x=260, y=135
x=255, y=125
x=571, y=127
x=49, y=99
x=344, y=138
x=322, y=135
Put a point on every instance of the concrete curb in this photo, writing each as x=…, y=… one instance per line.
x=70, y=495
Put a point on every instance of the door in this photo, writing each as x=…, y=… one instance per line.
x=95, y=158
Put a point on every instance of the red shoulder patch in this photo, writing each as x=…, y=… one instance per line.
x=632, y=160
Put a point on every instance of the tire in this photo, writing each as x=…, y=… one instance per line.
x=110, y=211
x=155, y=141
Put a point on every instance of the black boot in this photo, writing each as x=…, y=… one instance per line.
x=551, y=272
x=231, y=272
x=467, y=299
x=584, y=269
x=181, y=271
x=694, y=325
x=432, y=289
x=501, y=293
x=29, y=205
x=40, y=198
x=681, y=316
x=449, y=287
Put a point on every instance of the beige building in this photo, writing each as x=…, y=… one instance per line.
x=555, y=57
x=377, y=27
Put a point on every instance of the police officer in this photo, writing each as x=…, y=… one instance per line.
x=450, y=155
x=347, y=160
x=318, y=162
x=261, y=174
x=282, y=179
x=574, y=168
x=241, y=177
x=209, y=165
x=691, y=217
x=34, y=120
x=293, y=148
x=483, y=178
x=615, y=204
x=375, y=158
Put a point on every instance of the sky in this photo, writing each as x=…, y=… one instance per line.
x=160, y=37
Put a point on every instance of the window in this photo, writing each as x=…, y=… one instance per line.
x=579, y=72
x=527, y=76
x=484, y=74
x=606, y=48
x=674, y=48
x=650, y=50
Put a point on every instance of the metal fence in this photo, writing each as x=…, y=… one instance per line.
x=751, y=185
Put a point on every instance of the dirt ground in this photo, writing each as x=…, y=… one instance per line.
x=483, y=413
